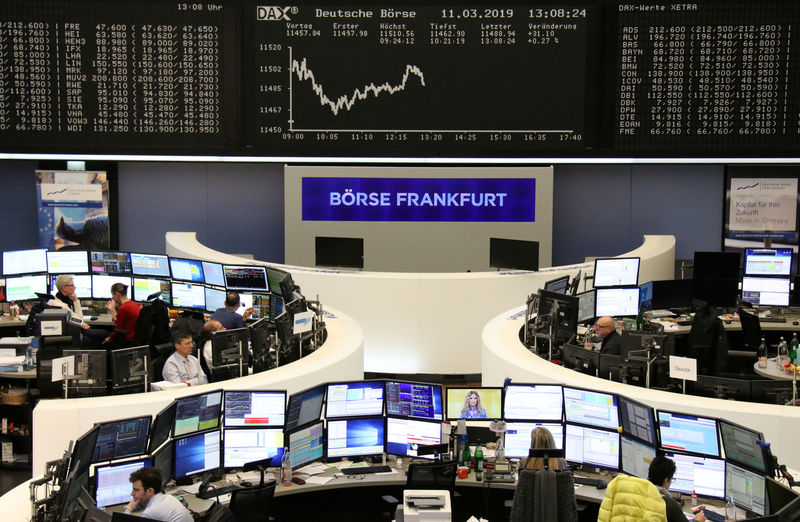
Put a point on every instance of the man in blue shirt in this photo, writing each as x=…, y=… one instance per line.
x=228, y=316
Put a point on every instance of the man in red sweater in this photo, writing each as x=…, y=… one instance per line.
x=124, y=313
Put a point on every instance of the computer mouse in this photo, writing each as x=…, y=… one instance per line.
x=93, y=319
x=795, y=323
x=245, y=484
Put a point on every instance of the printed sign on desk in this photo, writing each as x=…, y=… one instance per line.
x=684, y=368
x=303, y=322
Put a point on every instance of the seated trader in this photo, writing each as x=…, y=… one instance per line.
x=210, y=327
x=541, y=438
x=182, y=366
x=124, y=313
x=228, y=316
x=154, y=506
x=612, y=342
x=67, y=299
x=660, y=473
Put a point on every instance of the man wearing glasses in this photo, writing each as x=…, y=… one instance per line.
x=606, y=331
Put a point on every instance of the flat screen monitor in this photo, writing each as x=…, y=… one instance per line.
x=617, y=302
x=188, y=295
x=67, y=262
x=213, y=273
x=110, y=262
x=636, y=457
x=591, y=446
x=666, y=294
x=215, y=299
x=145, y=287
x=197, y=413
x=638, y=420
x=25, y=288
x=543, y=402
x=513, y=253
x=189, y=270
x=196, y=454
x=112, y=484
x=414, y=399
x=354, y=399
x=154, y=265
x=241, y=446
x=82, y=452
x=162, y=425
x=344, y=252
x=228, y=347
x=703, y=475
x=782, y=500
x=404, y=436
x=287, y=288
x=261, y=303
x=357, y=437
x=518, y=437
x=566, y=317
x=617, y=271
x=586, y=307
x=82, y=282
x=689, y=433
x=582, y=360
x=274, y=277
x=31, y=261
x=474, y=403
x=306, y=445
x=715, y=278
x=276, y=306
x=304, y=407
x=740, y=445
x=591, y=408
x=261, y=337
x=90, y=367
x=768, y=262
x=121, y=439
x=746, y=488
x=162, y=460
x=128, y=366
x=766, y=291
x=251, y=408
x=253, y=278
x=558, y=286
x=618, y=368
x=101, y=285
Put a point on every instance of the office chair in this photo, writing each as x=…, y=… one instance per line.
x=751, y=329
x=161, y=353
x=528, y=499
x=253, y=504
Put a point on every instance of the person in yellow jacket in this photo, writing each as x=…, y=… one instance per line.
x=631, y=499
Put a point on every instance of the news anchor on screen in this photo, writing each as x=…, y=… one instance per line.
x=472, y=408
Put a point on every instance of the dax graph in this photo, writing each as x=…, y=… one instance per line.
x=427, y=81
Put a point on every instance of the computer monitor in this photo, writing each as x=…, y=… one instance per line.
x=238, y=277
x=110, y=262
x=766, y=291
x=513, y=253
x=304, y=407
x=306, y=445
x=162, y=460
x=145, y=287
x=636, y=457
x=665, y=294
x=128, y=367
x=703, y=475
x=250, y=408
x=242, y=445
x=357, y=437
x=215, y=299
x=196, y=454
x=30, y=261
x=287, y=287
x=274, y=277
x=344, y=252
x=771, y=392
x=541, y=402
x=261, y=335
x=121, y=439
x=721, y=387
x=618, y=369
x=414, y=399
x=25, y=288
x=154, y=265
x=82, y=452
x=477, y=403
x=558, y=285
x=580, y=359
x=187, y=295
x=715, y=278
x=197, y=413
x=276, y=306
x=741, y=446
x=768, y=262
x=566, y=319
x=67, y=262
x=586, y=306
x=162, y=425
x=354, y=399
x=782, y=500
x=591, y=408
x=228, y=347
x=746, y=488
x=637, y=420
x=404, y=436
x=112, y=484
x=90, y=367
x=101, y=285
x=617, y=271
x=689, y=433
x=591, y=446
x=189, y=270
x=617, y=302
x=82, y=282
x=213, y=273
x=517, y=437
x=259, y=302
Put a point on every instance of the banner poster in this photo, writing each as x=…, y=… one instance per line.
x=762, y=208
x=73, y=209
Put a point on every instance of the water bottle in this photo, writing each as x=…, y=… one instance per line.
x=478, y=459
x=795, y=344
x=762, y=354
x=730, y=509
x=286, y=468
x=466, y=455
x=783, y=354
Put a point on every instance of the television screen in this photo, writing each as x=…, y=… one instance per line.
x=518, y=436
x=186, y=295
x=414, y=399
x=474, y=403
x=636, y=457
x=304, y=407
x=254, y=408
x=513, y=253
x=123, y=438
x=306, y=445
x=591, y=408
x=67, y=262
x=197, y=413
x=768, y=261
x=245, y=277
x=690, y=433
x=241, y=446
x=405, y=436
x=24, y=261
x=617, y=271
x=189, y=270
x=544, y=402
x=150, y=265
x=213, y=273
x=617, y=302
x=346, y=252
x=101, y=285
x=592, y=446
x=144, y=288
x=354, y=399
x=112, y=484
x=357, y=437
x=703, y=475
x=25, y=288
x=110, y=262
x=196, y=454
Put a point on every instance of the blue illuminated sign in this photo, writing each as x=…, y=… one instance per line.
x=418, y=199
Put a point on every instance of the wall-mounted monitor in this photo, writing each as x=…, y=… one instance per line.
x=213, y=274
x=414, y=399
x=30, y=261
x=476, y=403
x=145, y=287
x=188, y=295
x=112, y=484
x=354, y=399
x=703, y=475
x=254, y=408
x=253, y=278
x=67, y=261
x=25, y=288
x=189, y=270
x=558, y=285
x=121, y=439
x=154, y=265
x=405, y=436
x=358, y=437
x=768, y=262
x=110, y=262
x=591, y=408
x=513, y=253
x=306, y=445
x=617, y=271
x=304, y=407
x=241, y=446
x=518, y=436
x=541, y=402
x=636, y=457
x=197, y=413
x=766, y=291
x=196, y=454
x=101, y=285
x=591, y=446
x=339, y=252
x=689, y=433
x=617, y=302
x=82, y=282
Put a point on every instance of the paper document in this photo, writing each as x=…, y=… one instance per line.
x=312, y=469
x=318, y=480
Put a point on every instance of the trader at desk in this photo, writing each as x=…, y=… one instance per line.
x=182, y=366
x=606, y=330
x=228, y=316
x=155, y=506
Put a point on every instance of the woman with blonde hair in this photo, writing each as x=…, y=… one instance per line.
x=472, y=408
x=541, y=438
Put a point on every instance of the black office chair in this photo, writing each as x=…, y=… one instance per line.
x=526, y=498
x=253, y=504
x=160, y=353
x=751, y=329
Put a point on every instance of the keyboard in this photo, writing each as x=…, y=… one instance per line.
x=712, y=515
x=213, y=492
x=366, y=470
x=771, y=320
x=587, y=481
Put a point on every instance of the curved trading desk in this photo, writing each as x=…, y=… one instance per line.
x=428, y=322
x=504, y=356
